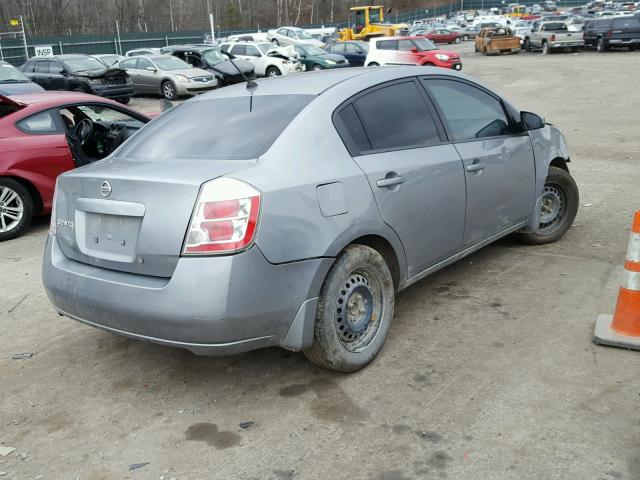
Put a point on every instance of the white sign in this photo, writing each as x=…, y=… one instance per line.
x=44, y=50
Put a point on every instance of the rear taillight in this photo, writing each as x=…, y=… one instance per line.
x=610, y=33
x=53, y=223
x=553, y=37
x=225, y=218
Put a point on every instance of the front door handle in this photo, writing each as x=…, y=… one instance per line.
x=476, y=167
x=389, y=181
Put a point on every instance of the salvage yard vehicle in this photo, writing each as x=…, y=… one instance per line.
x=497, y=41
x=613, y=32
x=142, y=51
x=441, y=35
x=45, y=134
x=354, y=51
x=292, y=36
x=168, y=76
x=79, y=73
x=469, y=33
x=109, y=59
x=410, y=51
x=13, y=81
x=226, y=242
x=267, y=60
x=212, y=59
x=314, y=58
x=553, y=36
x=368, y=22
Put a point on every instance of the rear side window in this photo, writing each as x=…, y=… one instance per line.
x=396, y=117
x=631, y=22
x=388, y=45
x=131, y=63
x=353, y=127
x=244, y=133
x=469, y=112
x=40, y=123
x=239, y=50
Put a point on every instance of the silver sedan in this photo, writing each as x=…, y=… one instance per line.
x=167, y=75
x=292, y=36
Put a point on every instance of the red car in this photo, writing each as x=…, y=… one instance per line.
x=410, y=51
x=441, y=35
x=45, y=134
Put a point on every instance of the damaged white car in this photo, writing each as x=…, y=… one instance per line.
x=269, y=61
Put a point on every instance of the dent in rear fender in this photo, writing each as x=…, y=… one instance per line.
x=548, y=144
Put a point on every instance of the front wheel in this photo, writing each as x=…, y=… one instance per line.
x=16, y=209
x=169, y=90
x=275, y=42
x=558, y=208
x=354, y=313
x=373, y=64
x=316, y=67
x=457, y=40
x=123, y=100
x=465, y=38
x=527, y=44
x=273, y=72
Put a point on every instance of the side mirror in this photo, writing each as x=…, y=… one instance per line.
x=152, y=69
x=531, y=121
x=64, y=72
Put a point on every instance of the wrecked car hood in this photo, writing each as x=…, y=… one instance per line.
x=227, y=68
x=107, y=72
x=284, y=52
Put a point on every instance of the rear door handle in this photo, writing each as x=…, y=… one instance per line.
x=475, y=167
x=389, y=181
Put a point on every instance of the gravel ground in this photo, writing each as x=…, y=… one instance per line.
x=489, y=371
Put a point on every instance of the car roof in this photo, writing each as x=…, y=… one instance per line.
x=315, y=83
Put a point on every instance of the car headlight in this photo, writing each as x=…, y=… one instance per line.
x=95, y=81
x=330, y=62
x=442, y=57
x=182, y=78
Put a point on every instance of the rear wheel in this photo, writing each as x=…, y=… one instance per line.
x=600, y=46
x=354, y=311
x=169, y=90
x=373, y=64
x=465, y=38
x=558, y=208
x=527, y=45
x=429, y=64
x=457, y=40
x=545, y=49
x=273, y=72
x=16, y=209
x=632, y=48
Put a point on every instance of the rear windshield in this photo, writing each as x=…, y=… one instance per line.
x=221, y=128
x=631, y=22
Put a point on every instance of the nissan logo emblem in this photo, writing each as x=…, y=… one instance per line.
x=105, y=189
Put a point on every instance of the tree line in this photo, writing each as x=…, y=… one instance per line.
x=82, y=17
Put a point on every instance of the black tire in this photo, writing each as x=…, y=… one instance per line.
x=169, y=90
x=527, y=44
x=10, y=187
x=457, y=40
x=632, y=48
x=373, y=64
x=429, y=64
x=79, y=89
x=465, y=38
x=275, y=42
x=123, y=100
x=272, y=72
x=475, y=47
x=600, y=45
x=316, y=67
x=558, y=181
x=354, y=311
x=545, y=48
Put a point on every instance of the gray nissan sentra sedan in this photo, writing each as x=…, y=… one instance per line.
x=289, y=214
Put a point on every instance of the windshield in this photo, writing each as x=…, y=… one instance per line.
x=170, y=63
x=10, y=74
x=633, y=22
x=423, y=45
x=241, y=134
x=109, y=59
x=313, y=50
x=81, y=64
x=303, y=35
x=99, y=113
x=374, y=15
x=265, y=47
x=214, y=56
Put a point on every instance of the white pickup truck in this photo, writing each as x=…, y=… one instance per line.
x=550, y=36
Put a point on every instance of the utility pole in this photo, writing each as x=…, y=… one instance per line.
x=171, y=14
x=24, y=38
x=118, y=32
x=213, y=30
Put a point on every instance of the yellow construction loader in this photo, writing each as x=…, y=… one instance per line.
x=368, y=22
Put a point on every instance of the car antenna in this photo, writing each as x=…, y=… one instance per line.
x=251, y=84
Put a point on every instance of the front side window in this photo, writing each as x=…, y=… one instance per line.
x=397, y=117
x=40, y=123
x=239, y=50
x=129, y=63
x=144, y=63
x=469, y=112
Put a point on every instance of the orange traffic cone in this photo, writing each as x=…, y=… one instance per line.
x=623, y=329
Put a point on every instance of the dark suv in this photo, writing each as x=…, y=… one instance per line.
x=613, y=32
x=79, y=73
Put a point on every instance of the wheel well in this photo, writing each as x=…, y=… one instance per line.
x=560, y=163
x=38, y=205
x=384, y=248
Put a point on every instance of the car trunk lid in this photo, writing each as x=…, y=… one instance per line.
x=132, y=216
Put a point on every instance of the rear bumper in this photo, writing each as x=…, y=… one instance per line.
x=210, y=306
x=628, y=41
x=113, y=91
x=567, y=45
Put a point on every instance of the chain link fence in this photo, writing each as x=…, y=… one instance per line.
x=14, y=46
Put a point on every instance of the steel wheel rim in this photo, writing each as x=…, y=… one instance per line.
x=168, y=90
x=317, y=67
x=359, y=309
x=552, y=209
x=273, y=73
x=11, y=209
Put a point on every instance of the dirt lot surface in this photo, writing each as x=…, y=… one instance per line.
x=489, y=371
